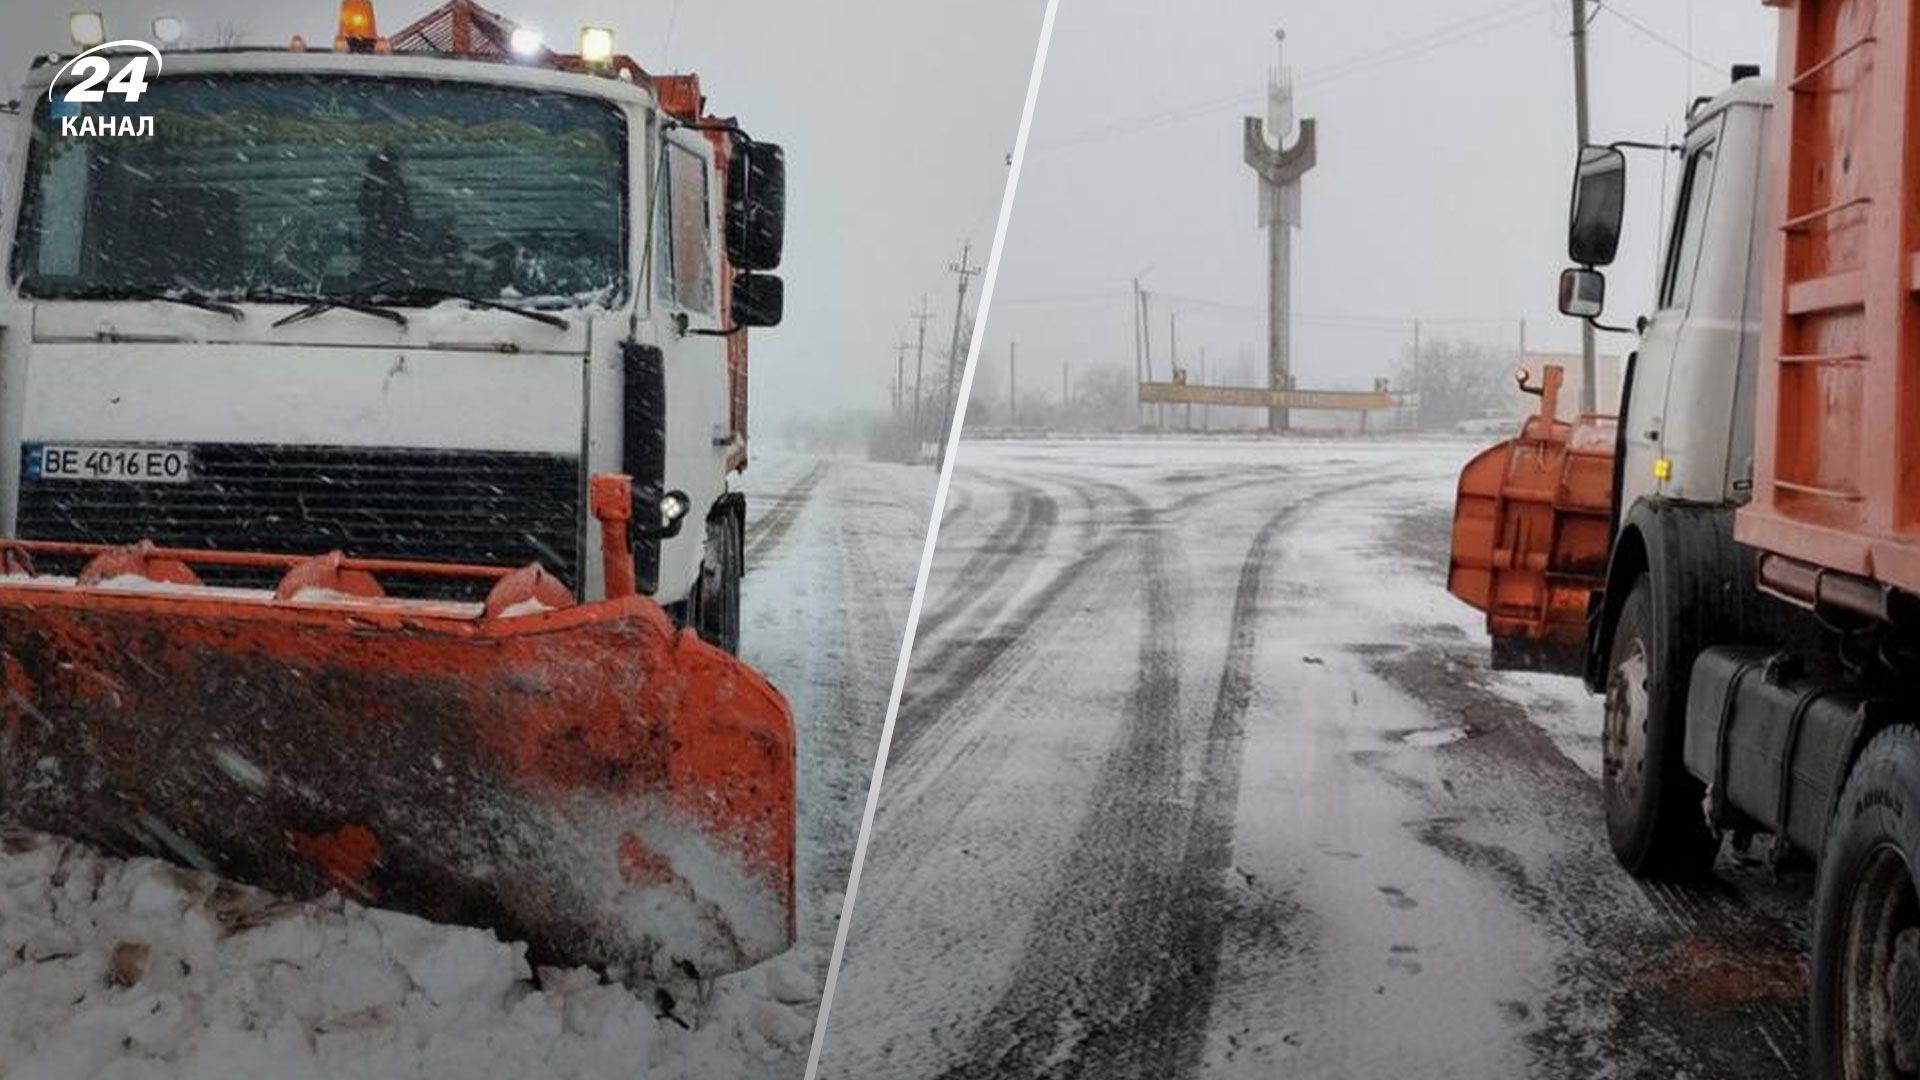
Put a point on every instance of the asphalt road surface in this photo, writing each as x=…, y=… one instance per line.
x=833, y=549
x=1200, y=772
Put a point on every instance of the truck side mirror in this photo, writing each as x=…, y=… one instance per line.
x=1599, y=201
x=756, y=205
x=1583, y=292
x=758, y=299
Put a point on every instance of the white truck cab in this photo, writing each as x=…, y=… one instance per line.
x=402, y=305
x=1686, y=430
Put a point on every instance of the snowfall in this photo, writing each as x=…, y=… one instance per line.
x=1200, y=771
x=125, y=969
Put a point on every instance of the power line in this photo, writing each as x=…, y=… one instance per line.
x=1453, y=36
x=1059, y=299
x=666, y=42
x=1654, y=35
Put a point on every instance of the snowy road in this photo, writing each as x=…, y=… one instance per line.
x=1200, y=772
x=135, y=969
x=833, y=548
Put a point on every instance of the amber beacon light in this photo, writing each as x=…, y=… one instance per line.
x=357, y=30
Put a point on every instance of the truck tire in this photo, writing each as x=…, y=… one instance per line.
x=715, y=603
x=1655, y=822
x=1864, y=1005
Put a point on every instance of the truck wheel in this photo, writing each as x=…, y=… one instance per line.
x=1864, y=1010
x=716, y=596
x=1655, y=822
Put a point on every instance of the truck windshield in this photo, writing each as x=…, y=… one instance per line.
x=251, y=185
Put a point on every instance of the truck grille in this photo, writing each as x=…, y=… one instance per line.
x=440, y=505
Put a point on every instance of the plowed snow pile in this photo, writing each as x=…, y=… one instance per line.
x=136, y=969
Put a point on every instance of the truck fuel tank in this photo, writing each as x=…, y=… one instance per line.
x=1772, y=740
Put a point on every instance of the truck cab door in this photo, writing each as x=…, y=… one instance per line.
x=687, y=271
x=1644, y=435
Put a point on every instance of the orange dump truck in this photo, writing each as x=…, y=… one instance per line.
x=1734, y=561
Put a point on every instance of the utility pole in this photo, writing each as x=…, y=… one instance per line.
x=1173, y=357
x=1419, y=362
x=1146, y=330
x=1146, y=336
x=919, y=368
x=1013, y=388
x=900, y=375
x=1066, y=399
x=1206, y=411
x=965, y=270
x=1582, y=135
x=1280, y=168
x=1139, y=361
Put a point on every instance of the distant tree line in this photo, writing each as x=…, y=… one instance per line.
x=1457, y=379
x=1451, y=380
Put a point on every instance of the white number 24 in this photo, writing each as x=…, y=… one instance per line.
x=131, y=82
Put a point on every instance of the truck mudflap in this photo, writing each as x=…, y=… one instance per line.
x=582, y=776
x=1531, y=528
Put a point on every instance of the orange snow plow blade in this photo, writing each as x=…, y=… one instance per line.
x=581, y=776
x=1532, y=523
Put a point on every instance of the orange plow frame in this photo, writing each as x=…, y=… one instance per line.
x=583, y=776
x=1532, y=525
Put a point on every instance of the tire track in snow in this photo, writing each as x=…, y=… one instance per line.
x=959, y=504
x=1126, y=837
x=944, y=670
x=1030, y=518
x=842, y=688
x=1125, y=988
x=1181, y=1001
x=950, y=748
x=768, y=530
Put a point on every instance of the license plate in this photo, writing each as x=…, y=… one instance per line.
x=131, y=464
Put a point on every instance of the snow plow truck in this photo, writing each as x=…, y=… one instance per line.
x=1734, y=561
x=369, y=413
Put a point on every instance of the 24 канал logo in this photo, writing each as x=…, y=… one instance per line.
x=92, y=69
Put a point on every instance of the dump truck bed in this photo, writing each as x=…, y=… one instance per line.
x=1836, y=473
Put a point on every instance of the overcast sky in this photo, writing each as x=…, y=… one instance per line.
x=897, y=118
x=1445, y=154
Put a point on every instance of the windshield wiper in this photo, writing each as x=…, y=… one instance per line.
x=435, y=291
x=154, y=292
x=319, y=304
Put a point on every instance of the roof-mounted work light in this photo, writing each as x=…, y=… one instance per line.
x=87, y=28
x=168, y=30
x=526, y=41
x=596, y=46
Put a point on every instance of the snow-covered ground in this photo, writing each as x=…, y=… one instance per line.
x=1199, y=771
x=137, y=969
x=833, y=548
